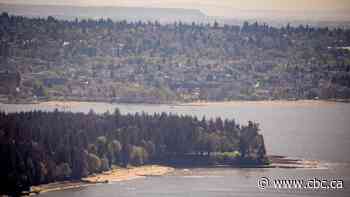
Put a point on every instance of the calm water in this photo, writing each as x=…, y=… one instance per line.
x=308, y=130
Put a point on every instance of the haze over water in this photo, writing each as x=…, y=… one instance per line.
x=310, y=130
x=306, y=130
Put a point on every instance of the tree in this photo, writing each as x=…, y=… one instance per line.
x=149, y=147
x=104, y=164
x=125, y=154
x=138, y=156
x=248, y=133
x=114, y=149
x=79, y=163
x=42, y=147
x=92, y=149
x=213, y=141
x=216, y=25
x=63, y=171
x=94, y=163
x=101, y=146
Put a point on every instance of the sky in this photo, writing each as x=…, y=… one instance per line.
x=209, y=7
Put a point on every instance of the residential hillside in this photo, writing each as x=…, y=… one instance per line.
x=106, y=60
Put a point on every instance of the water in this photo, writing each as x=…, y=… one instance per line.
x=306, y=130
x=205, y=183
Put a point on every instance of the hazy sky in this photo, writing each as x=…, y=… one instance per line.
x=210, y=7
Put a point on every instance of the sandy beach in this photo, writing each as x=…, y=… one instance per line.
x=62, y=104
x=114, y=175
x=122, y=174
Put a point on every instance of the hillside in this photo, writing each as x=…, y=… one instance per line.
x=149, y=62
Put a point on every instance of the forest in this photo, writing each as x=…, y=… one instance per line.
x=40, y=147
x=152, y=62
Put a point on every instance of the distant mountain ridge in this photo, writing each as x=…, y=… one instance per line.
x=275, y=18
x=115, y=13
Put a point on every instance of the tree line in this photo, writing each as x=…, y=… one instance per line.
x=41, y=147
x=180, y=61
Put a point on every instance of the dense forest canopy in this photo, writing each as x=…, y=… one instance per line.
x=41, y=147
x=153, y=62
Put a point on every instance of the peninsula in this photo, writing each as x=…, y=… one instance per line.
x=45, y=147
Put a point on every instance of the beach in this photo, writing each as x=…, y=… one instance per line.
x=114, y=175
x=131, y=173
x=122, y=174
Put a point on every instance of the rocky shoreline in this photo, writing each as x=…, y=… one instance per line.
x=277, y=161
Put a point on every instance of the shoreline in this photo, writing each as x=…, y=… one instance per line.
x=278, y=161
x=264, y=102
x=114, y=175
x=72, y=103
x=132, y=173
x=123, y=174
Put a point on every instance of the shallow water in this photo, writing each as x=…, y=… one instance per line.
x=307, y=130
x=209, y=182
